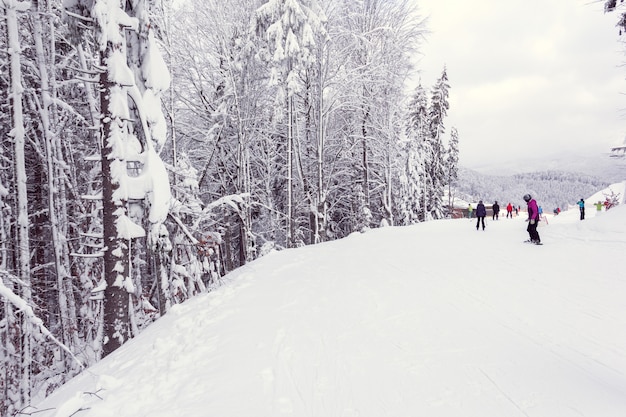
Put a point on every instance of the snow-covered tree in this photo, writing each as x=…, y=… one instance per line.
x=19, y=344
x=435, y=163
x=611, y=6
x=132, y=77
x=289, y=27
x=452, y=165
x=413, y=177
x=224, y=109
x=378, y=37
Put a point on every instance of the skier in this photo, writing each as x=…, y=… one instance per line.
x=496, y=211
x=581, y=205
x=469, y=211
x=533, y=219
x=509, y=211
x=481, y=212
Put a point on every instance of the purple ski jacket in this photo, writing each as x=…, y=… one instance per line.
x=481, y=211
x=533, y=211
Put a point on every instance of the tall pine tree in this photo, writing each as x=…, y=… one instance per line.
x=452, y=166
x=412, y=180
x=435, y=164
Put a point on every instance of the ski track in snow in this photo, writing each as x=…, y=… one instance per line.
x=436, y=319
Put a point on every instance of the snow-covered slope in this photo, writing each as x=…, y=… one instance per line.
x=436, y=319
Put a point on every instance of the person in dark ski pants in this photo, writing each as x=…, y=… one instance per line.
x=496, y=210
x=581, y=206
x=509, y=211
x=481, y=212
x=533, y=220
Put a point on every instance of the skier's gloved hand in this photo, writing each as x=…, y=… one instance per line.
x=532, y=221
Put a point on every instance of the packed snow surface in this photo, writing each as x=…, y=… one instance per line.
x=436, y=319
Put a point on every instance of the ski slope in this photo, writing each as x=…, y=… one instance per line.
x=436, y=319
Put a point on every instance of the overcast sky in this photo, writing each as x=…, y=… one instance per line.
x=527, y=76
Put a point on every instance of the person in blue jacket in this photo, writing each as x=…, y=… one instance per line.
x=581, y=206
x=481, y=212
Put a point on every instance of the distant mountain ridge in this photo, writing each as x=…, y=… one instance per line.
x=551, y=189
x=596, y=164
x=553, y=180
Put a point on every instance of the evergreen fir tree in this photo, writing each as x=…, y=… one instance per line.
x=452, y=166
x=435, y=165
x=412, y=180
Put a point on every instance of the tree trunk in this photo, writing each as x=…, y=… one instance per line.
x=60, y=254
x=116, y=262
x=19, y=163
x=290, y=208
x=364, y=161
x=320, y=221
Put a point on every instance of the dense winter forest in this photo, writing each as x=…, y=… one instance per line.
x=149, y=149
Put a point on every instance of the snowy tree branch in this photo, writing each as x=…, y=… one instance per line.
x=30, y=314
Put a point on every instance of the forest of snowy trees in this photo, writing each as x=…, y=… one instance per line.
x=149, y=149
x=552, y=189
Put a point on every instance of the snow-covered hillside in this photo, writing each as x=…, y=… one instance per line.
x=551, y=189
x=436, y=319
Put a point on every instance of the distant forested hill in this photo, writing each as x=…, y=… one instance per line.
x=551, y=189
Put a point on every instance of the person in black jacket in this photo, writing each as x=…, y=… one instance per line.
x=496, y=210
x=481, y=212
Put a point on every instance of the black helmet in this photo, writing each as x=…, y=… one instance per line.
x=527, y=197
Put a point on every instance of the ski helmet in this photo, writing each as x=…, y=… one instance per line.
x=527, y=197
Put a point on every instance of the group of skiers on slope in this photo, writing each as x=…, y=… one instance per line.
x=496, y=210
x=534, y=215
x=599, y=205
x=481, y=212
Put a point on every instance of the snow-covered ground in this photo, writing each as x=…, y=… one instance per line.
x=436, y=319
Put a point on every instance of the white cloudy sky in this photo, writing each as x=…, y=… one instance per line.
x=527, y=77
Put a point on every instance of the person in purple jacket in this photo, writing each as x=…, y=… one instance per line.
x=481, y=212
x=533, y=219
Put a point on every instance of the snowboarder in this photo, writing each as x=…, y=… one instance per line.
x=533, y=219
x=496, y=210
x=581, y=205
x=481, y=212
